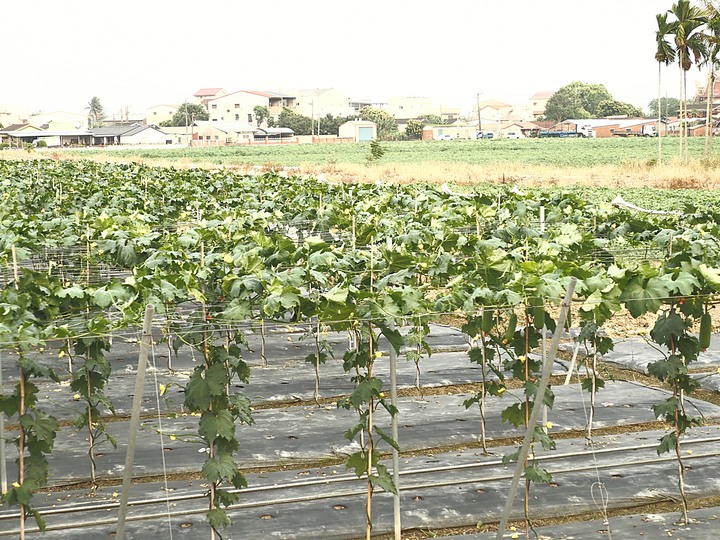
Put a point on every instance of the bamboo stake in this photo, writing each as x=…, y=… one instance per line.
x=21, y=411
x=542, y=386
x=134, y=420
x=395, y=454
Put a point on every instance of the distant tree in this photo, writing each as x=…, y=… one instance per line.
x=414, y=129
x=611, y=107
x=668, y=107
x=386, y=126
x=432, y=119
x=262, y=114
x=576, y=100
x=301, y=125
x=96, y=113
x=330, y=125
x=186, y=114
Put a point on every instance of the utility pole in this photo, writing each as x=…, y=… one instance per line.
x=478, y=110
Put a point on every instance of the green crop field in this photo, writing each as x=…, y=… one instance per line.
x=553, y=152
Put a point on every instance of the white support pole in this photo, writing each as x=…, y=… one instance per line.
x=134, y=420
x=572, y=363
x=537, y=406
x=395, y=454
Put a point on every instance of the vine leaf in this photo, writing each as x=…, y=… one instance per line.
x=216, y=469
x=537, y=474
x=643, y=296
x=217, y=425
x=667, y=443
x=358, y=462
x=667, y=327
x=218, y=518
x=383, y=479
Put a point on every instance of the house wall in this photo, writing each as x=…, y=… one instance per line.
x=319, y=104
x=160, y=113
x=60, y=121
x=354, y=129
x=237, y=106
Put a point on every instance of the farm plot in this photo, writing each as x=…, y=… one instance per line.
x=272, y=311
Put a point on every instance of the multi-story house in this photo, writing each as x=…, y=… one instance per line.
x=205, y=94
x=319, y=102
x=160, y=113
x=240, y=106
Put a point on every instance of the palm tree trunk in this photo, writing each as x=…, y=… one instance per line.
x=687, y=132
x=659, y=107
x=707, y=114
x=680, y=115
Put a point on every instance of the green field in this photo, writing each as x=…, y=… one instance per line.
x=551, y=152
x=567, y=154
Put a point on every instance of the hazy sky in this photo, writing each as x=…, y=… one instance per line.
x=59, y=54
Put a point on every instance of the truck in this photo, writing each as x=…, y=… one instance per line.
x=581, y=131
x=647, y=130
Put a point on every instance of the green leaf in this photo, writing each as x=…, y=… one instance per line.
x=337, y=294
x=668, y=327
x=71, y=292
x=215, y=425
x=511, y=458
x=217, y=469
x=644, y=296
x=218, y=518
x=711, y=276
x=365, y=390
x=393, y=336
x=383, y=479
x=666, y=409
x=514, y=414
x=387, y=439
x=667, y=443
x=358, y=462
x=537, y=474
x=587, y=384
x=543, y=438
x=669, y=368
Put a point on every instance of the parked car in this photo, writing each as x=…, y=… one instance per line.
x=481, y=135
x=514, y=135
x=444, y=138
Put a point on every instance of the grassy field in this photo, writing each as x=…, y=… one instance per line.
x=601, y=168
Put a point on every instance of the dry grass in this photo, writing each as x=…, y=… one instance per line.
x=696, y=174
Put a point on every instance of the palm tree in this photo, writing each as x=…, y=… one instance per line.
x=690, y=46
x=95, y=111
x=665, y=54
x=712, y=13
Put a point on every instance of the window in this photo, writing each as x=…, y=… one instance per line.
x=214, y=106
x=237, y=117
x=237, y=105
x=250, y=118
x=216, y=137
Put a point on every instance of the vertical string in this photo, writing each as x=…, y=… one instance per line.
x=162, y=443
